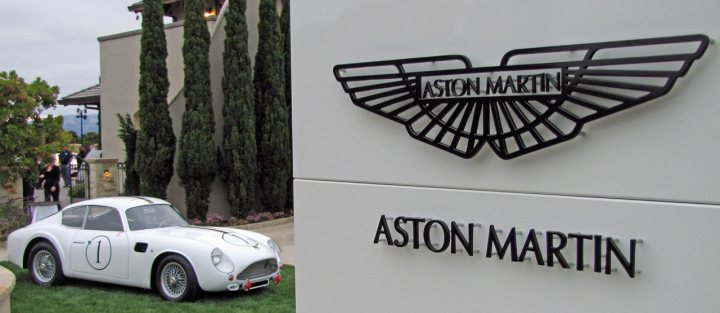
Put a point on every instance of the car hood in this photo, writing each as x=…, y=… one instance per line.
x=216, y=236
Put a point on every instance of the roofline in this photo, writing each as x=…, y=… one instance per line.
x=138, y=6
x=86, y=89
x=137, y=32
x=91, y=100
x=86, y=100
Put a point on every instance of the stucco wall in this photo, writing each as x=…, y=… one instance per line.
x=120, y=75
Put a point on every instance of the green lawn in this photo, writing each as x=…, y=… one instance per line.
x=81, y=296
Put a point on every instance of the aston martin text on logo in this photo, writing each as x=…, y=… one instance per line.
x=491, y=84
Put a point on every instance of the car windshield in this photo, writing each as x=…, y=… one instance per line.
x=154, y=216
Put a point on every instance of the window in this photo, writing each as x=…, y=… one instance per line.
x=103, y=218
x=74, y=217
x=153, y=216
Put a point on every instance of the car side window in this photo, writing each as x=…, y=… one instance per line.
x=74, y=217
x=103, y=218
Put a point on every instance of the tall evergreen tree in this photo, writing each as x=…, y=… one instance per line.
x=273, y=134
x=197, y=161
x=238, y=155
x=128, y=134
x=156, y=142
x=285, y=28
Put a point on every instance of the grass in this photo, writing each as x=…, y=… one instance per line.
x=79, y=296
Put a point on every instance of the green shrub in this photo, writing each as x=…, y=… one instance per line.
x=77, y=191
x=12, y=216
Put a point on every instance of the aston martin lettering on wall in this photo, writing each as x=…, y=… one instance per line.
x=536, y=98
x=143, y=242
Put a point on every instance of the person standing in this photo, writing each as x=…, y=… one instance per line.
x=50, y=176
x=81, y=156
x=65, y=159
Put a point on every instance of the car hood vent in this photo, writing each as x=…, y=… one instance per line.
x=239, y=240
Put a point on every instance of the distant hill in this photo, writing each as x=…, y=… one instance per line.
x=72, y=123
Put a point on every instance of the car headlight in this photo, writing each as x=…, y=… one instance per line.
x=221, y=261
x=216, y=256
x=273, y=245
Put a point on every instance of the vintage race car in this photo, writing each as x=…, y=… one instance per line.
x=143, y=242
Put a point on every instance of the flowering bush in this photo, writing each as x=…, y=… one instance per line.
x=234, y=220
x=195, y=221
x=259, y=217
x=215, y=219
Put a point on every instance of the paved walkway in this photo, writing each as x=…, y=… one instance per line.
x=282, y=231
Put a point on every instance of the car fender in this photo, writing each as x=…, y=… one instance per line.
x=20, y=243
x=195, y=259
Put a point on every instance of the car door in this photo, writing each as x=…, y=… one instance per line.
x=101, y=246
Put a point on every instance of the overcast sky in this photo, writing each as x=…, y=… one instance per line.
x=57, y=39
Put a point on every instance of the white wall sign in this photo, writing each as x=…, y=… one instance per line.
x=630, y=205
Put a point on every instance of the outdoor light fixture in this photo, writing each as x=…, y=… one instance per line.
x=82, y=115
x=106, y=174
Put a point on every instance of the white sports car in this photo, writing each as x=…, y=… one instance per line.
x=143, y=242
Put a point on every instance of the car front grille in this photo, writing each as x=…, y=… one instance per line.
x=259, y=269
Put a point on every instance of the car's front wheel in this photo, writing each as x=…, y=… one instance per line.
x=45, y=266
x=175, y=279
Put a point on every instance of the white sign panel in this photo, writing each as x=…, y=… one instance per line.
x=615, y=220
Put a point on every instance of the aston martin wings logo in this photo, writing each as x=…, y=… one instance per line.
x=536, y=98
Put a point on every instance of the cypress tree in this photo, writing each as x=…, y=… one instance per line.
x=273, y=135
x=128, y=134
x=285, y=28
x=155, y=142
x=238, y=155
x=197, y=161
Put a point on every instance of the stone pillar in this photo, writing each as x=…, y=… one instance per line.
x=102, y=178
x=7, y=284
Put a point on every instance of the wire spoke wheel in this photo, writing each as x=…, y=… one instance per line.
x=173, y=280
x=44, y=266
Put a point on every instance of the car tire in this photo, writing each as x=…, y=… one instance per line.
x=175, y=279
x=44, y=265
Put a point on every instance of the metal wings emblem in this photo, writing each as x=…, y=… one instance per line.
x=536, y=98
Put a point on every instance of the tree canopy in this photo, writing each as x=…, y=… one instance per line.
x=25, y=135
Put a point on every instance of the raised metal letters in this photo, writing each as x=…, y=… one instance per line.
x=452, y=236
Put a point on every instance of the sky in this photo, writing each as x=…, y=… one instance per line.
x=57, y=40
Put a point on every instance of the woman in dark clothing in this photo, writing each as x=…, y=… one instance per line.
x=81, y=156
x=50, y=175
